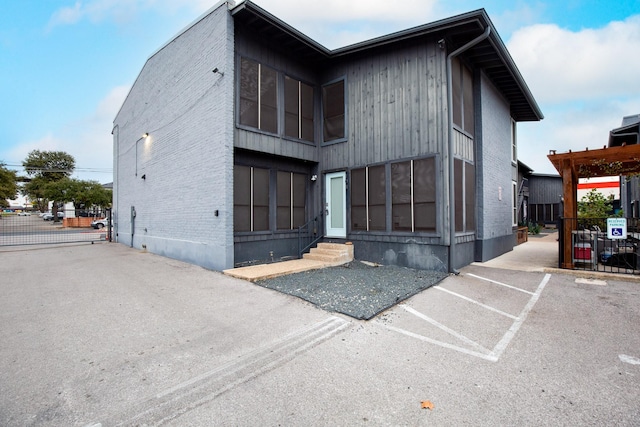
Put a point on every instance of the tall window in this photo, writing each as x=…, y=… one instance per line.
x=290, y=195
x=333, y=111
x=413, y=195
x=462, y=91
x=298, y=109
x=250, y=199
x=514, y=142
x=514, y=197
x=465, y=195
x=368, y=199
x=258, y=96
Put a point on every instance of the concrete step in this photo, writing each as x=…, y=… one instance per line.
x=325, y=255
x=333, y=253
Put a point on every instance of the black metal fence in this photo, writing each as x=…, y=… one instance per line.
x=592, y=248
x=34, y=228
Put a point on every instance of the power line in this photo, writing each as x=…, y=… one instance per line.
x=78, y=169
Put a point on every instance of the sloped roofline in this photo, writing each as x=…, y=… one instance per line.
x=468, y=25
x=477, y=20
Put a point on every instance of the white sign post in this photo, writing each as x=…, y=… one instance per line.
x=617, y=228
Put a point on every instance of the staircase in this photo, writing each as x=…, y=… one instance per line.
x=325, y=255
x=331, y=253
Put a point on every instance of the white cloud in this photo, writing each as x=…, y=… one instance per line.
x=571, y=127
x=337, y=23
x=66, y=15
x=585, y=82
x=561, y=65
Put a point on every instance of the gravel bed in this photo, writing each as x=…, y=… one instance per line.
x=356, y=289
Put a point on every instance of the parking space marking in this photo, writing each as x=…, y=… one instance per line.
x=508, y=336
x=495, y=310
x=483, y=353
x=444, y=328
x=499, y=283
x=488, y=357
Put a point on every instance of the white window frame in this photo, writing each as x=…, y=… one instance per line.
x=514, y=198
x=514, y=142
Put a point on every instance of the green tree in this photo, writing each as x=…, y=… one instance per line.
x=45, y=168
x=594, y=207
x=83, y=194
x=8, y=185
x=88, y=194
x=34, y=189
x=49, y=165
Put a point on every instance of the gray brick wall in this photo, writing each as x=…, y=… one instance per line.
x=187, y=159
x=496, y=168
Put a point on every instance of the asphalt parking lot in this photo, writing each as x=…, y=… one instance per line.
x=106, y=335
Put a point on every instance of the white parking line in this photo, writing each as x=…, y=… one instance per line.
x=499, y=283
x=495, y=310
x=483, y=353
x=506, y=339
x=444, y=328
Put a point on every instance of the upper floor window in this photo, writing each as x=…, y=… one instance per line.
x=462, y=91
x=258, y=96
x=298, y=109
x=333, y=111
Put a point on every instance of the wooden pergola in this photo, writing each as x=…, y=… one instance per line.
x=611, y=161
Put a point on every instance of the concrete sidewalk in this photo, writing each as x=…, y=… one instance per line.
x=539, y=253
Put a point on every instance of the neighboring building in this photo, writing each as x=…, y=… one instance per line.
x=627, y=134
x=608, y=186
x=545, y=198
x=404, y=145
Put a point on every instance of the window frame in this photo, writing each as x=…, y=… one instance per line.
x=260, y=105
x=462, y=94
x=252, y=200
x=514, y=198
x=412, y=195
x=514, y=142
x=465, y=189
x=343, y=138
x=291, y=199
x=367, y=203
x=300, y=110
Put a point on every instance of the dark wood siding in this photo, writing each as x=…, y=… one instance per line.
x=395, y=106
x=247, y=46
x=544, y=189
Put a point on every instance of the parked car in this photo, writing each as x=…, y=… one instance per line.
x=23, y=213
x=100, y=223
x=49, y=216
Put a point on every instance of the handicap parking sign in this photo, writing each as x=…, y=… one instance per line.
x=617, y=228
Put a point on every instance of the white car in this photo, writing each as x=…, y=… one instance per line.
x=23, y=213
x=100, y=223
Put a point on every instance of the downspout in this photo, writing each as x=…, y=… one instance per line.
x=452, y=195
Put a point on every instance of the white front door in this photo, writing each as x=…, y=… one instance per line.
x=336, y=204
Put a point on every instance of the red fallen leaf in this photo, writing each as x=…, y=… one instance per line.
x=426, y=404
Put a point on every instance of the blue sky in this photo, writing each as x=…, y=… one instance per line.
x=66, y=65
